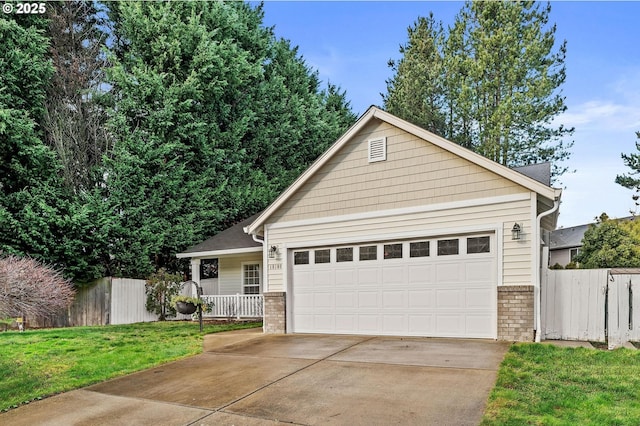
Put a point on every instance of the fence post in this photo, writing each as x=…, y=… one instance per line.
x=239, y=307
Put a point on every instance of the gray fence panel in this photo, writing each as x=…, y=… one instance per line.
x=573, y=304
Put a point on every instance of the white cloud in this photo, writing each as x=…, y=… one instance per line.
x=603, y=115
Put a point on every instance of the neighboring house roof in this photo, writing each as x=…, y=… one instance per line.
x=565, y=238
x=231, y=240
x=376, y=113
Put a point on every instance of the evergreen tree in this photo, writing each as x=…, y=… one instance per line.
x=212, y=118
x=39, y=216
x=631, y=180
x=416, y=92
x=494, y=79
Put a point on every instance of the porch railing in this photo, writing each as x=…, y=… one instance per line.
x=234, y=306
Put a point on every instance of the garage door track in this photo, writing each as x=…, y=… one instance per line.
x=248, y=378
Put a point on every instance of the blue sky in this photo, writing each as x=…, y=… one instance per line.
x=350, y=43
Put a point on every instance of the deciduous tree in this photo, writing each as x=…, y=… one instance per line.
x=30, y=288
x=610, y=243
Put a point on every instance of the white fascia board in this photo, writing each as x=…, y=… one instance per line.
x=405, y=210
x=215, y=253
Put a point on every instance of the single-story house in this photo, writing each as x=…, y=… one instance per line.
x=565, y=244
x=396, y=231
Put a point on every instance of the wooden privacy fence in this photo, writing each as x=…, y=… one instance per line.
x=591, y=304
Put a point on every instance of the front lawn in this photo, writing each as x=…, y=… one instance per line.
x=38, y=363
x=541, y=384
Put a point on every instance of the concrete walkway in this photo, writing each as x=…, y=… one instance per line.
x=248, y=378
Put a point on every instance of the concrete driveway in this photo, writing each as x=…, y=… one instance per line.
x=248, y=378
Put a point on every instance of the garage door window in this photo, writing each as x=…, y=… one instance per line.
x=323, y=256
x=393, y=251
x=447, y=247
x=301, y=258
x=419, y=249
x=478, y=245
x=369, y=253
x=344, y=254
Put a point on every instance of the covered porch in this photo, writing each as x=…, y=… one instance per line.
x=229, y=268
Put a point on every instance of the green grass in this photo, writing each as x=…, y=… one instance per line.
x=38, y=363
x=547, y=385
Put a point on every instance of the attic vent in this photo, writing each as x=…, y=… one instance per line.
x=378, y=149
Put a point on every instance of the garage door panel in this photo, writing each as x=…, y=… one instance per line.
x=368, y=324
x=394, y=300
x=346, y=300
x=305, y=279
x=476, y=325
x=448, y=273
x=368, y=299
x=394, y=324
x=440, y=296
x=344, y=277
x=478, y=271
x=325, y=323
x=449, y=299
x=418, y=273
x=304, y=301
x=478, y=298
x=368, y=276
x=345, y=323
x=323, y=301
x=421, y=324
x=449, y=325
x=422, y=299
x=394, y=275
x=323, y=278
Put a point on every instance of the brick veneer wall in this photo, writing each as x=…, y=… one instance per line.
x=515, y=313
x=275, y=319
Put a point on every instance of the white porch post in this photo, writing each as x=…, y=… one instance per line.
x=195, y=274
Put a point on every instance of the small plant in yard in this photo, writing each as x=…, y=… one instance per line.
x=161, y=287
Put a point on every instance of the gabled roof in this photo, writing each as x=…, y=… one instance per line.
x=231, y=240
x=571, y=237
x=564, y=238
x=376, y=113
x=540, y=172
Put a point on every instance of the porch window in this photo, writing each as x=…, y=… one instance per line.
x=251, y=278
x=208, y=269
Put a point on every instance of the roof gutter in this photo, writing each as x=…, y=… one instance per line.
x=538, y=294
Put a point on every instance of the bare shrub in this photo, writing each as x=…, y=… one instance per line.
x=31, y=289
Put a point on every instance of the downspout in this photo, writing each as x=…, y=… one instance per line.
x=538, y=295
x=264, y=274
x=264, y=260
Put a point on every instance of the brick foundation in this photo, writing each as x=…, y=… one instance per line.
x=275, y=318
x=515, y=313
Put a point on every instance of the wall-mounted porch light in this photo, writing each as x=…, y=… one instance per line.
x=273, y=252
x=516, y=231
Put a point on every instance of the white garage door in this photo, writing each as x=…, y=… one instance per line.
x=444, y=287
